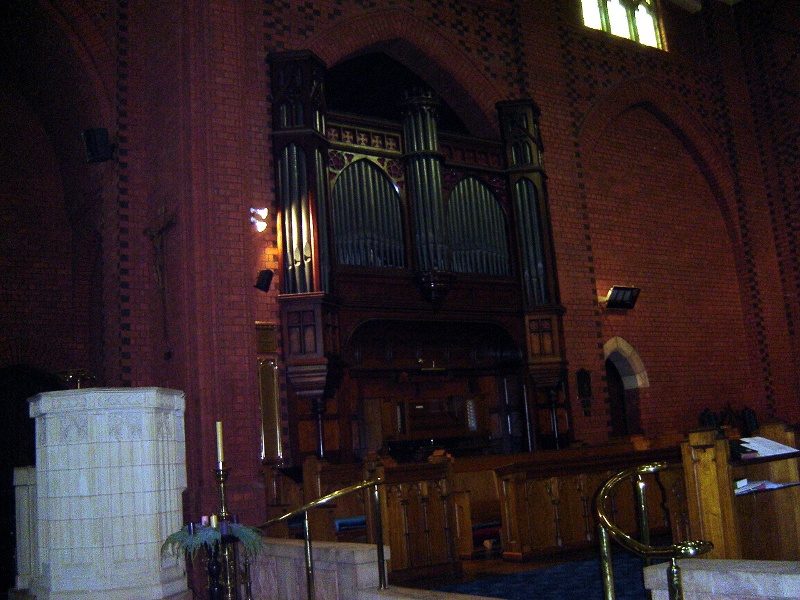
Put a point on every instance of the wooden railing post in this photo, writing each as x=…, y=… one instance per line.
x=708, y=481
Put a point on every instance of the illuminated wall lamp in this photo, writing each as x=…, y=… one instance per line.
x=621, y=296
x=258, y=216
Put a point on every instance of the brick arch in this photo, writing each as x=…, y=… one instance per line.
x=418, y=45
x=73, y=70
x=94, y=56
x=673, y=113
x=628, y=362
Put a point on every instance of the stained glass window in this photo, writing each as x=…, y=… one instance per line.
x=636, y=20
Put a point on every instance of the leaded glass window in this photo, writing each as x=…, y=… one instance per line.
x=636, y=20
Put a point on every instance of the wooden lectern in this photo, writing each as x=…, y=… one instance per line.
x=763, y=524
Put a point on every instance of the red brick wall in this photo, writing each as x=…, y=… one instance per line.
x=769, y=33
x=38, y=316
x=656, y=224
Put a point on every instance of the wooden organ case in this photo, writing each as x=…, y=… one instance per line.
x=418, y=305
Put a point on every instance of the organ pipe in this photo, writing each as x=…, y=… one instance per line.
x=520, y=126
x=478, y=232
x=368, y=225
x=425, y=182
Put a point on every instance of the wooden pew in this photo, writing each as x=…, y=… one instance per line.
x=475, y=483
x=543, y=500
x=547, y=502
x=477, y=499
x=417, y=509
x=321, y=478
x=284, y=492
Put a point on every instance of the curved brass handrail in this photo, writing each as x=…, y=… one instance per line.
x=672, y=552
x=321, y=500
x=374, y=483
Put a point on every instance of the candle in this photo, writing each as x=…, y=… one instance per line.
x=220, y=454
x=214, y=521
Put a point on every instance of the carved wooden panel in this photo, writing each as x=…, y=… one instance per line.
x=547, y=504
x=419, y=519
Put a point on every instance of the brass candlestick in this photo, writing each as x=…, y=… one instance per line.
x=228, y=555
x=221, y=473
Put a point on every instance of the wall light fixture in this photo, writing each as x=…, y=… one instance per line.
x=258, y=216
x=621, y=296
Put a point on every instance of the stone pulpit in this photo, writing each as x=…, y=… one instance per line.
x=110, y=470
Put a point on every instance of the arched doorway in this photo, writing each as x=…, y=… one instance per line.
x=625, y=375
x=623, y=404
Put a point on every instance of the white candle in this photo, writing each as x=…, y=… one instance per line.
x=220, y=454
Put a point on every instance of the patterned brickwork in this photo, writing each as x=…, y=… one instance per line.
x=774, y=89
x=121, y=216
x=749, y=242
x=489, y=34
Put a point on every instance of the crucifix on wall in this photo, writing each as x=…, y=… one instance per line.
x=157, y=235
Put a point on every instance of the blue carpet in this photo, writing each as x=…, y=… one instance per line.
x=579, y=580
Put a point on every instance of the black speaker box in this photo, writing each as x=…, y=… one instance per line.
x=97, y=144
x=264, y=280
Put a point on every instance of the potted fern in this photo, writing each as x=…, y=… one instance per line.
x=192, y=537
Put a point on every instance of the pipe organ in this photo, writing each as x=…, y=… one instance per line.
x=418, y=273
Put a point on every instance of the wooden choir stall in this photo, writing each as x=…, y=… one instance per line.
x=443, y=510
x=417, y=510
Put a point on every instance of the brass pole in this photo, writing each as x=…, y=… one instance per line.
x=379, y=538
x=309, y=560
x=605, y=563
x=644, y=526
x=674, y=580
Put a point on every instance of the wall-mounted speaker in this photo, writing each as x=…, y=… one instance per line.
x=264, y=280
x=97, y=144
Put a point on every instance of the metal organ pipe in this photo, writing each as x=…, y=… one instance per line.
x=527, y=200
x=425, y=185
x=367, y=217
x=477, y=227
x=322, y=221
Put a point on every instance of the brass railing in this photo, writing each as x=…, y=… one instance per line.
x=309, y=560
x=608, y=531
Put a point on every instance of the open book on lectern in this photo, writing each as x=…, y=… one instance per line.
x=760, y=447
